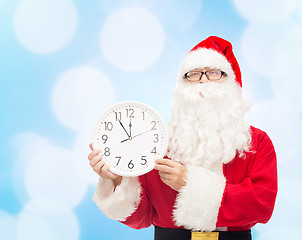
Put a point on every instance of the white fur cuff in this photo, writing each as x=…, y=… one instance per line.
x=198, y=202
x=122, y=202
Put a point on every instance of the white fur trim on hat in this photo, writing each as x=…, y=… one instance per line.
x=198, y=202
x=203, y=57
x=119, y=203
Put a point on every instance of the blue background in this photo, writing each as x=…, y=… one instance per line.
x=60, y=68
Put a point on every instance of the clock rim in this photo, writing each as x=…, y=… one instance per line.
x=112, y=107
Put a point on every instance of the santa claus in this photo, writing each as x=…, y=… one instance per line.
x=219, y=177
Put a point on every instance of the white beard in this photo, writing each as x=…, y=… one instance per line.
x=207, y=126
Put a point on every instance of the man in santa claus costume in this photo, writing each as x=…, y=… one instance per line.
x=219, y=177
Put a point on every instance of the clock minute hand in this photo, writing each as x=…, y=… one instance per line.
x=123, y=128
x=141, y=133
x=135, y=136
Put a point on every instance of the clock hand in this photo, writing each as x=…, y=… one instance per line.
x=130, y=125
x=125, y=140
x=123, y=128
x=141, y=133
x=135, y=136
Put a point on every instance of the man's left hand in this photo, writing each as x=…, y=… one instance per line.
x=171, y=173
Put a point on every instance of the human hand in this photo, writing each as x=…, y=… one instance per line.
x=101, y=168
x=171, y=173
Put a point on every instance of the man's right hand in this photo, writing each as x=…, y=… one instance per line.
x=101, y=168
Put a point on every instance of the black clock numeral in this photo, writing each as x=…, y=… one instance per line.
x=156, y=138
x=144, y=160
x=105, y=138
x=130, y=112
x=143, y=116
x=108, y=126
x=154, y=124
x=118, y=161
x=107, y=151
x=154, y=150
x=130, y=165
x=118, y=116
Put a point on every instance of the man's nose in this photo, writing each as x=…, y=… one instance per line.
x=204, y=79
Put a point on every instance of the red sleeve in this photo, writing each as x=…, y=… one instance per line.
x=252, y=200
x=142, y=217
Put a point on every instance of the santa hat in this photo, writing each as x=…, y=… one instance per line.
x=213, y=52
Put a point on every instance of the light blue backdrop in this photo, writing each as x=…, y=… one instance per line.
x=63, y=62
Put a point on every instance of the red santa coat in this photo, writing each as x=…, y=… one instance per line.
x=235, y=199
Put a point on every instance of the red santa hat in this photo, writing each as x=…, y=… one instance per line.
x=213, y=52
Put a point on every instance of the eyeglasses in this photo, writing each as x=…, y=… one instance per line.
x=195, y=76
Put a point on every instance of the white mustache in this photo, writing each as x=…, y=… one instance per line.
x=211, y=90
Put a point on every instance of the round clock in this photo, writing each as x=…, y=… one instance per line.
x=131, y=136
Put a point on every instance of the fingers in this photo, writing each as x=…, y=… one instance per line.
x=168, y=166
x=94, y=153
x=163, y=168
x=166, y=162
x=165, y=176
x=98, y=167
x=171, y=173
x=106, y=173
x=101, y=168
x=166, y=180
x=95, y=160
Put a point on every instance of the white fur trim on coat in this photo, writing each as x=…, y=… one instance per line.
x=119, y=203
x=198, y=202
x=204, y=57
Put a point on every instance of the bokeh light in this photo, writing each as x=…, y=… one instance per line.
x=268, y=10
x=45, y=26
x=79, y=95
x=56, y=226
x=81, y=149
x=8, y=226
x=182, y=16
x=51, y=174
x=30, y=226
x=28, y=144
x=288, y=64
x=132, y=39
x=259, y=43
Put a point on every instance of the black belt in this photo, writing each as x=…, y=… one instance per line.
x=184, y=234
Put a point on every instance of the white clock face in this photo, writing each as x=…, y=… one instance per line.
x=131, y=136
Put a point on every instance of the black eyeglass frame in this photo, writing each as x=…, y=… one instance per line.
x=205, y=73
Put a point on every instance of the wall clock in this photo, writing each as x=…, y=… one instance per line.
x=131, y=135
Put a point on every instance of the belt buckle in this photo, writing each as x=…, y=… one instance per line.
x=204, y=235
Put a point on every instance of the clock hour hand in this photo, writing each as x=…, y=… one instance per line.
x=125, y=140
x=130, y=126
x=123, y=128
